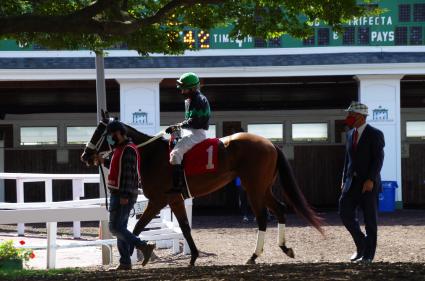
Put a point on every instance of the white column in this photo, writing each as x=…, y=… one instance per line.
x=381, y=93
x=139, y=104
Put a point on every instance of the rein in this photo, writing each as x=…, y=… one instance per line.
x=96, y=147
x=157, y=136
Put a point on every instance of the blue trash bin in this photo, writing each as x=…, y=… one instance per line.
x=387, y=196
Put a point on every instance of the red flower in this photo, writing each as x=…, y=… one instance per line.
x=22, y=242
x=32, y=255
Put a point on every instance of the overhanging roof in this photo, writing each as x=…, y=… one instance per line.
x=183, y=62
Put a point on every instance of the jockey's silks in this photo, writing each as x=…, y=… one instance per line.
x=197, y=112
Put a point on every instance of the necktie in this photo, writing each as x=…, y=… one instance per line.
x=355, y=138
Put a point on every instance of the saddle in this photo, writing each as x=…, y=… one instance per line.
x=200, y=159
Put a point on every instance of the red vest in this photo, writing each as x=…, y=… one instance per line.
x=115, y=167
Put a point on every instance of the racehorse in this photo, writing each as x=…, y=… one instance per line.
x=254, y=159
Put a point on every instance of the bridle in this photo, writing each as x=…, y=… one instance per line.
x=96, y=147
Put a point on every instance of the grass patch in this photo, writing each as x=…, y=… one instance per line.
x=16, y=274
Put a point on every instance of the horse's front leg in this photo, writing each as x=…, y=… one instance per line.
x=150, y=212
x=179, y=210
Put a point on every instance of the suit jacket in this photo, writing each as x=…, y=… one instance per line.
x=366, y=161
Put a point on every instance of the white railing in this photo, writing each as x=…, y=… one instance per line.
x=82, y=210
x=78, y=181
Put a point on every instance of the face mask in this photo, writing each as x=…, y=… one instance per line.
x=350, y=120
x=111, y=141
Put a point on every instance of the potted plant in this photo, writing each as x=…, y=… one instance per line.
x=12, y=257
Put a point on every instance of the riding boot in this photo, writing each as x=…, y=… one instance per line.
x=178, y=179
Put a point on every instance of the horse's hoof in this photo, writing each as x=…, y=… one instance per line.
x=250, y=261
x=193, y=259
x=290, y=253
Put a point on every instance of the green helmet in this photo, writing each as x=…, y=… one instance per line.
x=188, y=81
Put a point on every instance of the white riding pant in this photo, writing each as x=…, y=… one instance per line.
x=190, y=137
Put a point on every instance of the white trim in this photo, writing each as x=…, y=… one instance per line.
x=220, y=52
x=140, y=74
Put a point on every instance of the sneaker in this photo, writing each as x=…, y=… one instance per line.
x=121, y=267
x=245, y=219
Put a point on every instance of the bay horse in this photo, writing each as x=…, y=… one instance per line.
x=254, y=159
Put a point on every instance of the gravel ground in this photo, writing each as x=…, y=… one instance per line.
x=225, y=240
x=226, y=243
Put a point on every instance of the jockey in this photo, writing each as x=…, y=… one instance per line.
x=197, y=115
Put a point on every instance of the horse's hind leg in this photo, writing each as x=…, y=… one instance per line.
x=279, y=209
x=179, y=210
x=261, y=216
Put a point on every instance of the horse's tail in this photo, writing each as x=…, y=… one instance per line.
x=292, y=193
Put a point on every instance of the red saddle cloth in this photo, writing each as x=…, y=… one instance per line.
x=202, y=158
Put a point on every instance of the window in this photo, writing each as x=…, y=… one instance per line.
x=259, y=43
x=363, y=35
x=419, y=12
x=415, y=129
x=416, y=35
x=309, y=41
x=79, y=135
x=323, y=36
x=274, y=43
x=401, y=35
x=404, y=13
x=310, y=132
x=273, y=132
x=39, y=135
x=348, y=37
x=211, y=133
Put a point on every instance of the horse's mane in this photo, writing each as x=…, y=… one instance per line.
x=139, y=137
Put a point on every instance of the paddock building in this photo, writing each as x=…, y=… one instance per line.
x=291, y=91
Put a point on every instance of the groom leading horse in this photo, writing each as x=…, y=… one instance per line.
x=254, y=159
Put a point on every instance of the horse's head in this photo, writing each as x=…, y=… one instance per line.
x=97, y=143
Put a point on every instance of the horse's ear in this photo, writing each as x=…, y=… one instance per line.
x=106, y=114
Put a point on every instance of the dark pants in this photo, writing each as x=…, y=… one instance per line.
x=118, y=219
x=349, y=203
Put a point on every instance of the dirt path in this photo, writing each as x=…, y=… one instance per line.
x=226, y=243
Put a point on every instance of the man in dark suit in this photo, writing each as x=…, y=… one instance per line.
x=361, y=181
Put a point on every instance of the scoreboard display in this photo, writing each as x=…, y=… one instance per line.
x=402, y=23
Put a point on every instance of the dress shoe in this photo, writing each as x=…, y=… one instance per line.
x=147, y=250
x=121, y=267
x=365, y=260
x=356, y=256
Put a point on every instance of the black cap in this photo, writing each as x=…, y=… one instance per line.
x=115, y=126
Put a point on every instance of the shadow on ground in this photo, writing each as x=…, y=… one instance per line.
x=304, y=271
